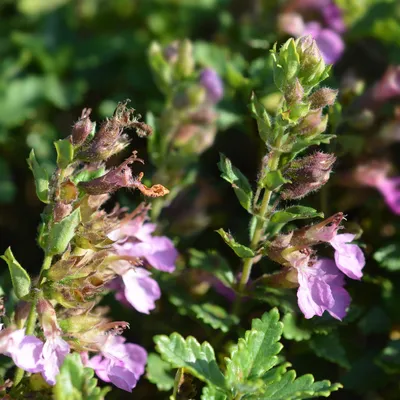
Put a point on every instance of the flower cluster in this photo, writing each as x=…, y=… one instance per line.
x=320, y=280
x=88, y=252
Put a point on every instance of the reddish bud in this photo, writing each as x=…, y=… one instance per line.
x=295, y=93
x=82, y=128
x=307, y=174
x=322, y=98
x=312, y=124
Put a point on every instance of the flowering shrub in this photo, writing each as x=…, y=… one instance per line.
x=157, y=276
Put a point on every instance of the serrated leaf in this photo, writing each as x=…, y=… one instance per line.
x=214, y=263
x=292, y=331
x=199, y=360
x=62, y=232
x=389, y=257
x=41, y=178
x=329, y=347
x=287, y=387
x=294, y=213
x=75, y=382
x=239, y=182
x=240, y=250
x=65, y=152
x=273, y=180
x=19, y=277
x=264, y=125
x=211, y=314
x=159, y=372
x=256, y=353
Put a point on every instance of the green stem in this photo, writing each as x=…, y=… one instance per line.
x=258, y=232
x=31, y=320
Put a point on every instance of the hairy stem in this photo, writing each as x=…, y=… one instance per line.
x=259, y=230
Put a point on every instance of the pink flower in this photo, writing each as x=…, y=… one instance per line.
x=375, y=174
x=158, y=251
x=24, y=350
x=349, y=258
x=135, y=287
x=120, y=363
x=321, y=289
x=53, y=353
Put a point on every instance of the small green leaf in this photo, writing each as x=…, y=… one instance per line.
x=62, y=232
x=75, y=382
x=65, y=152
x=329, y=347
x=19, y=277
x=287, y=387
x=212, y=393
x=256, y=353
x=293, y=213
x=235, y=78
x=159, y=372
x=86, y=175
x=239, y=249
x=264, y=125
x=292, y=331
x=41, y=178
x=389, y=256
x=214, y=263
x=273, y=180
x=239, y=182
x=198, y=360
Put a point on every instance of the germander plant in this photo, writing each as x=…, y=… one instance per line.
x=59, y=336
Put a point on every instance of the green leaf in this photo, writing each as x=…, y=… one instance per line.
x=329, y=347
x=239, y=182
x=198, y=360
x=389, y=256
x=292, y=331
x=273, y=180
x=235, y=78
x=211, y=314
x=212, y=393
x=285, y=386
x=86, y=175
x=159, y=372
x=41, y=178
x=65, y=153
x=62, y=232
x=256, y=353
x=19, y=277
x=293, y=213
x=264, y=125
x=212, y=262
x=74, y=382
x=239, y=249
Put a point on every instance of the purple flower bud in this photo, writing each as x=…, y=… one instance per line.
x=212, y=82
x=313, y=124
x=322, y=98
x=307, y=174
x=82, y=129
x=121, y=177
